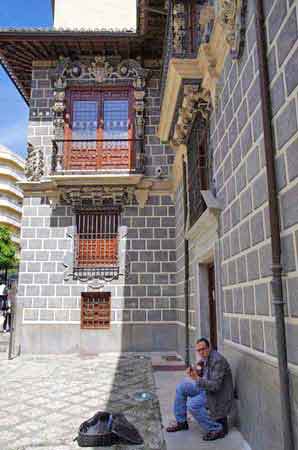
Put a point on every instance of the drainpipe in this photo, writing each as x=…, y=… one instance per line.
x=276, y=283
x=186, y=267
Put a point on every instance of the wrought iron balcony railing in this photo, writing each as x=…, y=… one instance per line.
x=97, y=155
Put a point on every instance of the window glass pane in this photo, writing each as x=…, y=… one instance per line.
x=115, y=119
x=85, y=119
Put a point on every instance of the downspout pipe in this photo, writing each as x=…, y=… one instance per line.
x=186, y=266
x=276, y=283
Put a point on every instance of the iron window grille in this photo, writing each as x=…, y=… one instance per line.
x=96, y=243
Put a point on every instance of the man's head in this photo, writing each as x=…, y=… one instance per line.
x=203, y=348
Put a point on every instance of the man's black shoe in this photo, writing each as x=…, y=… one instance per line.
x=224, y=422
x=179, y=426
x=213, y=435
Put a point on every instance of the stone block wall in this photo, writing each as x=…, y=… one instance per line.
x=240, y=174
x=180, y=274
x=242, y=185
x=156, y=154
x=180, y=280
x=144, y=300
x=145, y=295
x=40, y=129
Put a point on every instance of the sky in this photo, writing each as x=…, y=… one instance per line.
x=13, y=109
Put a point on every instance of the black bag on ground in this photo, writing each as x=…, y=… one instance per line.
x=105, y=430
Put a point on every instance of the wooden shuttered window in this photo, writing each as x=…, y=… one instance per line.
x=99, y=132
x=95, y=310
x=97, y=239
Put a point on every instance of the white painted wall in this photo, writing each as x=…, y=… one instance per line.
x=95, y=14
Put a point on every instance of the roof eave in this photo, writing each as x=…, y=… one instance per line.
x=14, y=79
x=61, y=34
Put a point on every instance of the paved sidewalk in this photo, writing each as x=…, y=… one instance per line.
x=44, y=399
x=192, y=439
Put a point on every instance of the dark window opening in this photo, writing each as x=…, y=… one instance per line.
x=199, y=171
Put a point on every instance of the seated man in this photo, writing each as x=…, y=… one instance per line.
x=208, y=395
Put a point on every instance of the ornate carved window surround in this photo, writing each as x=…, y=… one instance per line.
x=101, y=73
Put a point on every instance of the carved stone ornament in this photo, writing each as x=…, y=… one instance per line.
x=179, y=27
x=97, y=196
x=142, y=196
x=231, y=14
x=99, y=70
x=34, y=167
x=96, y=284
x=195, y=100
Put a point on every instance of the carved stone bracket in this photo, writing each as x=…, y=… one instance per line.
x=97, y=196
x=179, y=27
x=195, y=100
x=142, y=196
x=231, y=14
x=96, y=284
x=207, y=14
x=34, y=167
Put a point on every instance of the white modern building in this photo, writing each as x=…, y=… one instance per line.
x=11, y=195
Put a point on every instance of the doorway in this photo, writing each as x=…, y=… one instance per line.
x=206, y=306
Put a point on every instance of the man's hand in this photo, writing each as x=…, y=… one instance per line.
x=192, y=373
x=188, y=371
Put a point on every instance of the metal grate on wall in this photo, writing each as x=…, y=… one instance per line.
x=95, y=310
x=96, y=244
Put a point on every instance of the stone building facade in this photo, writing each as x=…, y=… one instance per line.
x=232, y=233
x=135, y=269
x=194, y=235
